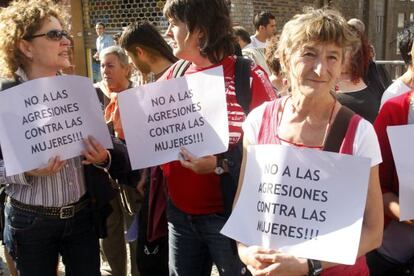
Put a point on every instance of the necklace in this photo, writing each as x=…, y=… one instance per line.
x=328, y=126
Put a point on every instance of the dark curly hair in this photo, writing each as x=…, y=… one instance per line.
x=212, y=18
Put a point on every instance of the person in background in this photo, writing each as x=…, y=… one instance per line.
x=103, y=40
x=352, y=91
x=376, y=76
x=61, y=208
x=396, y=254
x=404, y=83
x=311, y=51
x=279, y=82
x=248, y=51
x=265, y=26
x=202, y=34
x=116, y=71
x=151, y=55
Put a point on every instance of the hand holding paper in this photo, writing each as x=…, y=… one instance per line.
x=53, y=166
x=201, y=165
x=49, y=117
x=94, y=152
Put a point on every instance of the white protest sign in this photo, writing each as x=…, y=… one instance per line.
x=160, y=118
x=304, y=202
x=48, y=117
x=401, y=139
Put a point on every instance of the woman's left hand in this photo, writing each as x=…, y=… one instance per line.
x=201, y=165
x=94, y=152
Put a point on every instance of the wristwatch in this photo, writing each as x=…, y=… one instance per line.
x=315, y=267
x=221, y=165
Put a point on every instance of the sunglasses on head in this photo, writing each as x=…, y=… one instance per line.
x=55, y=35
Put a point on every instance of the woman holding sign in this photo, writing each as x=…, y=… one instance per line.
x=202, y=34
x=60, y=208
x=311, y=51
x=396, y=254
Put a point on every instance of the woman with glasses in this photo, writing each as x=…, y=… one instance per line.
x=37, y=230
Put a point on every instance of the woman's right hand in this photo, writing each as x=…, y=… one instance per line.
x=268, y=262
x=53, y=166
x=253, y=256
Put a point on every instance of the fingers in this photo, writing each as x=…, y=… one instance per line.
x=268, y=257
x=57, y=165
x=186, y=159
x=187, y=155
x=94, y=152
x=92, y=146
x=53, y=166
x=269, y=270
x=199, y=165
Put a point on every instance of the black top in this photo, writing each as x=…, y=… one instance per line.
x=365, y=102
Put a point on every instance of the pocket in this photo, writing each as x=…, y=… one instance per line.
x=20, y=220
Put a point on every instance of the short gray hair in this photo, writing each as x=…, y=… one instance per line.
x=357, y=24
x=118, y=51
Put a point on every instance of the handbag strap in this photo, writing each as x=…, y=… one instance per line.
x=338, y=130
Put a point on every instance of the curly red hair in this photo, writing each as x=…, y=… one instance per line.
x=361, y=56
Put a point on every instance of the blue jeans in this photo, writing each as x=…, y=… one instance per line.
x=35, y=242
x=195, y=243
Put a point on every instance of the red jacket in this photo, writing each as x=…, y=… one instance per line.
x=394, y=112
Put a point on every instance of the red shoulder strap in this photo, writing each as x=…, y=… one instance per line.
x=269, y=123
x=348, y=142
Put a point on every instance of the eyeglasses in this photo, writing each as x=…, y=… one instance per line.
x=54, y=35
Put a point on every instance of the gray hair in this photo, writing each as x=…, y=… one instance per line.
x=118, y=51
x=357, y=24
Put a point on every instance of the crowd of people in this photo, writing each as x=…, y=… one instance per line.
x=319, y=74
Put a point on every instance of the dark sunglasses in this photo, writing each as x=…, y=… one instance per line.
x=55, y=35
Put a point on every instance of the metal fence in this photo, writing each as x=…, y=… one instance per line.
x=395, y=68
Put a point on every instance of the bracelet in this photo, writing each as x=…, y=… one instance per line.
x=105, y=165
x=315, y=267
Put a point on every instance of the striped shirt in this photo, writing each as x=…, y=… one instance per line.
x=60, y=189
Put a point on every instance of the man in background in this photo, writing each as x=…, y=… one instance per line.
x=265, y=25
x=248, y=51
x=102, y=41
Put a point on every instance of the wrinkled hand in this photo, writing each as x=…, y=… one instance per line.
x=201, y=165
x=253, y=257
x=53, y=166
x=94, y=152
x=280, y=264
x=267, y=262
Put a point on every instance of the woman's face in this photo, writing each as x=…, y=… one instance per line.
x=184, y=44
x=315, y=67
x=46, y=54
x=113, y=73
